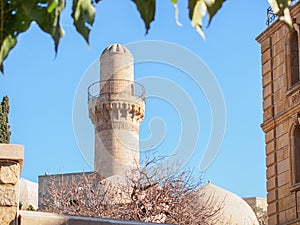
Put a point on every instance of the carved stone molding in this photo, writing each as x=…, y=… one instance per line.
x=295, y=98
x=118, y=111
x=118, y=126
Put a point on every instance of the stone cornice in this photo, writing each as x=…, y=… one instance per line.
x=279, y=118
x=276, y=25
x=108, y=112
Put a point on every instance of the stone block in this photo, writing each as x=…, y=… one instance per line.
x=279, y=72
x=271, y=171
x=282, y=153
x=278, y=84
x=271, y=196
x=278, y=59
x=272, y=208
x=278, y=48
x=269, y=136
x=283, y=178
x=267, y=102
x=270, y=159
x=8, y=195
x=286, y=203
x=281, y=106
x=267, y=91
x=271, y=184
x=267, y=78
x=265, y=56
x=282, y=141
x=265, y=45
x=282, y=217
x=270, y=148
x=8, y=215
x=267, y=114
x=266, y=67
x=283, y=166
x=9, y=172
x=278, y=95
x=279, y=130
x=272, y=219
x=12, y=152
x=284, y=191
x=290, y=214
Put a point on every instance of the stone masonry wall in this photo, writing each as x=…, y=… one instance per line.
x=280, y=116
x=11, y=160
x=9, y=176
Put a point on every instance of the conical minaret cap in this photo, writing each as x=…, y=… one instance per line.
x=116, y=62
x=116, y=49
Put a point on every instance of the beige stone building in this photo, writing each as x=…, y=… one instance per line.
x=281, y=118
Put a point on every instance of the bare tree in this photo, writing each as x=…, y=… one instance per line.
x=146, y=194
x=261, y=214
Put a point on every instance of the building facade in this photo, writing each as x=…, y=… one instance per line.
x=281, y=118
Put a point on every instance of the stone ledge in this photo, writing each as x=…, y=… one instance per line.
x=12, y=152
x=43, y=218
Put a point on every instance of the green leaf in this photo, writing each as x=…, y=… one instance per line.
x=13, y=21
x=52, y=6
x=8, y=43
x=196, y=14
x=49, y=22
x=198, y=9
x=281, y=9
x=192, y=4
x=83, y=14
x=213, y=6
x=147, y=11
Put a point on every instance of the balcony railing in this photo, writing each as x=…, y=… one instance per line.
x=271, y=16
x=115, y=87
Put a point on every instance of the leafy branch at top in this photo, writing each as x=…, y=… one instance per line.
x=17, y=15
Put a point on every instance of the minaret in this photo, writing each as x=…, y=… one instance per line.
x=116, y=108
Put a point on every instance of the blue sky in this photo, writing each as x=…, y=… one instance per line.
x=42, y=88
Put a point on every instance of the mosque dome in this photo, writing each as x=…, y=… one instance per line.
x=234, y=210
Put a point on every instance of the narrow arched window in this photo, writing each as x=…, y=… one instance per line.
x=294, y=58
x=297, y=153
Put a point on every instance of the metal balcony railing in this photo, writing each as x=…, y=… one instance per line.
x=271, y=16
x=116, y=87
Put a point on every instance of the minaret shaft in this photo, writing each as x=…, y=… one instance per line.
x=116, y=112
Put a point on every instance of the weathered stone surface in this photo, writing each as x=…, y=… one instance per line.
x=11, y=160
x=8, y=195
x=8, y=215
x=116, y=119
x=12, y=152
x=9, y=172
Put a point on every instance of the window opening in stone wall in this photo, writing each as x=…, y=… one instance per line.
x=294, y=58
x=297, y=154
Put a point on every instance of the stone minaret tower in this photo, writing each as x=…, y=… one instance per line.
x=116, y=108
